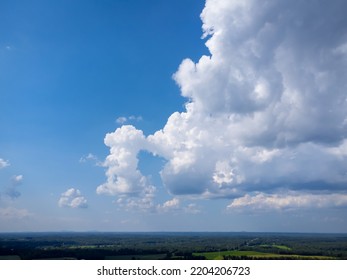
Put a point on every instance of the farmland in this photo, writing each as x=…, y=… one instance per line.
x=254, y=255
x=172, y=245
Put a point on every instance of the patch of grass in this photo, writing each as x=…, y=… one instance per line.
x=219, y=255
x=256, y=255
x=10, y=257
x=281, y=247
x=62, y=258
x=137, y=257
x=73, y=247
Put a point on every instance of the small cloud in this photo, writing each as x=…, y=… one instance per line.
x=17, y=180
x=135, y=118
x=72, y=198
x=3, y=163
x=123, y=176
x=170, y=205
x=175, y=205
x=123, y=120
x=90, y=157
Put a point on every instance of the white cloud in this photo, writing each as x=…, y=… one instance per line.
x=123, y=176
x=170, y=205
x=266, y=109
x=175, y=205
x=72, y=198
x=17, y=180
x=3, y=163
x=262, y=201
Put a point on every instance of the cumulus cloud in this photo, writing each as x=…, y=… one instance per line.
x=123, y=176
x=294, y=200
x=170, y=205
x=3, y=163
x=175, y=205
x=142, y=201
x=72, y=198
x=266, y=109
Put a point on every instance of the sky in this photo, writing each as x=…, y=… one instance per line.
x=150, y=115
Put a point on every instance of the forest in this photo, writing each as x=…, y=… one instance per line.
x=171, y=245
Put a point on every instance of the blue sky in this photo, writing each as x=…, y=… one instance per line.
x=173, y=116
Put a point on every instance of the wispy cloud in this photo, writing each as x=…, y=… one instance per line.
x=3, y=163
x=11, y=190
x=123, y=120
x=17, y=180
x=91, y=158
x=10, y=213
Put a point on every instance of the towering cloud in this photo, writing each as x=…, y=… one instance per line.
x=266, y=110
x=123, y=176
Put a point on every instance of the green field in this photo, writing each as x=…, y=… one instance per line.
x=255, y=255
x=137, y=257
x=10, y=257
x=281, y=247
